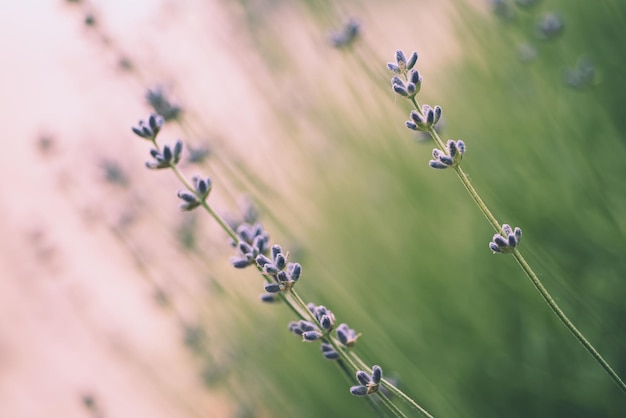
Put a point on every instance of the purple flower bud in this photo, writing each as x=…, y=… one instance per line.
x=307, y=326
x=400, y=90
x=326, y=323
x=377, y=374
x=270, y=269
x=430, y=117
x=280, y=261
x=358, y=390
x=512, y=241
x=294, y=270
x=446, y=160
x=411, y=61
x=436, y=164
x=275, y=251
x=259, y=243
x=400, y=58
x=262, y=260
x=500, y=241
x=295, y=328
x=342, y=333
x=311, y=335
x=363, y=377
x=281, y=276
x=494, y=247
x=461, y=146
x=438, y=111
x=393, y=67
x=155, y=122
x=269, y=298
x=417, y=118
x=178, y=149
x=240, y=262
x=397, y=81
x=451, y=145
x=329, y=352
x=415, y=77
x=244, y=247
x=244, y=233
x=272, y=288
x=186, y=196
x=167, y=153
x=202, y=186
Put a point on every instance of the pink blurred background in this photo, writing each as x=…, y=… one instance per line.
x=80, y=334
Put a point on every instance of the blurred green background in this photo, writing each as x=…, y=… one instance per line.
x=314, y=136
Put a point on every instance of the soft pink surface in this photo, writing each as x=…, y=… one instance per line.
x=75, y=319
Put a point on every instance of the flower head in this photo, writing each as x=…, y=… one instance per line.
x=149, y=128
x=507, y=241
x=369, y=382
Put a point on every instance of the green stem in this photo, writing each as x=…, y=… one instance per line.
x=392, y=407
x=565, y=320
x=476, y=197
x=393, y=389
x=527, y=269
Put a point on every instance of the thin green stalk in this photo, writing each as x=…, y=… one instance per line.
x=528, y=271
x=391, y=406
x=553, y=305
x=476, y=197
x=393, y=389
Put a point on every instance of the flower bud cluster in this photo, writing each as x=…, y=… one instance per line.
x=202, y=188
x=285, y=274
x=321, y=328
x=410, y=88
x=167, y=158
x=323, y=315
x=329, y=353
x=149, y=129
x=549, y=26
x=306, y=329
x=412, y=82
x=369, y=383
x=346, y=336
x=450, y=157
x=253, y=241
x=161, y=104
x=425, y=119
x=507, y=241
x=402, y=65
x=347, y=36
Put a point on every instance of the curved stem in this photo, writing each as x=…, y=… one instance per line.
x=476, y=197
x=565, y=320
x=530, y=272
x=393, y=389
x=392, y=407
